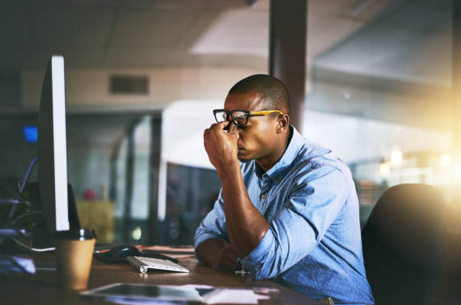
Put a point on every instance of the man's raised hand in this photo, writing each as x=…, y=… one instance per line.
x=221, y=144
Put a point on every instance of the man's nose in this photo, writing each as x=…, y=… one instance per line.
x=238, y=132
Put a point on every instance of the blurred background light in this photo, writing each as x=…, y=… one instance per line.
x=396, y=156
x=137, y=233
x=445, y=161
x=384, y=169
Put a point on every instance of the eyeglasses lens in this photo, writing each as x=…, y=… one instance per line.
x=223, y=116
x=240, y=117
x=220, y=116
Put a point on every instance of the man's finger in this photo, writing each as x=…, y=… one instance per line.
x=233, y=129
x=223, y=124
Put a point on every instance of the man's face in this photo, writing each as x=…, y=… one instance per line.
x=257, y=138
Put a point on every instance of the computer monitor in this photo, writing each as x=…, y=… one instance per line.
x=52, y=148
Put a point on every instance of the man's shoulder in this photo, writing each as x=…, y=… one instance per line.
x=308, y=150
x=316, y=159
x=315, y=154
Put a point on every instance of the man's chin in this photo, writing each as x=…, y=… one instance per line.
x=243, y=155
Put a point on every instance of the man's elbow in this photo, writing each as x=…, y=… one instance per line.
x=261, y=269
x=247, y=245
x=260, y=273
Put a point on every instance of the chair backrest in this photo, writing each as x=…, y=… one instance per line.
x=404, y=244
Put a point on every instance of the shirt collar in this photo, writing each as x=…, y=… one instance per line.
x=297, y=143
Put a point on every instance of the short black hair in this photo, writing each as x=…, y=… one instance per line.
x=273, y=92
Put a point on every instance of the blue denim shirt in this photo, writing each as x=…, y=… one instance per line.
x=313, y=244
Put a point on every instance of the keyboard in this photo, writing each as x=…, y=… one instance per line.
x=145, y=263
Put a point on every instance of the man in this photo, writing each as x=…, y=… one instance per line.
x=288, y=209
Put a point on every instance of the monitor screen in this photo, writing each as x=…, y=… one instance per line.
x=30, y=134
x=52, y=147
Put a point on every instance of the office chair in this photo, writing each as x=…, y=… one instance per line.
x=404, y=244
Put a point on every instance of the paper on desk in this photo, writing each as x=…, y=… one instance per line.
x=234, y=296
x=16, y=263
x=129, y=301
x=229, y=295
x=219, y=296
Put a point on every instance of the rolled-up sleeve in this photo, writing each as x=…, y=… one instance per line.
x=316, y=198
x=213, y=225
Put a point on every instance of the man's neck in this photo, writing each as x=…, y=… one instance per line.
x=268, y=162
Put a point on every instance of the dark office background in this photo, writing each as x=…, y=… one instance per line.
x=142, y=78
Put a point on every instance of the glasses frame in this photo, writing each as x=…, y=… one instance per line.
x=248, y=114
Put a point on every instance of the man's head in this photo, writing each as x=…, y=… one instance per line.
x=271, y=90
x=264, y=137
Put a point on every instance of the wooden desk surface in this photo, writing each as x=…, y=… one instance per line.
x=41, y=288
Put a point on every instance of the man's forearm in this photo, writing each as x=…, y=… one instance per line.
x=245, y=224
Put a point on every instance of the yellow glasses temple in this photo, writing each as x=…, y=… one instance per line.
x=265, y=112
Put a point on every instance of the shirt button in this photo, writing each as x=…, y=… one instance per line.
x=263, y=197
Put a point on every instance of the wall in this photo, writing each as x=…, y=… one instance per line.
x=90, y=88
x=9, y=93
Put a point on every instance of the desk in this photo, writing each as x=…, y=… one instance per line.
x=41, y=288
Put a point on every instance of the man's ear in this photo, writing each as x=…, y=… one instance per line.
x=283, y=123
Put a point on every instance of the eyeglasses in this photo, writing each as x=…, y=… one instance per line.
x=240, y=117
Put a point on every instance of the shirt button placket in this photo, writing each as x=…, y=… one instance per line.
x=264, y=191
